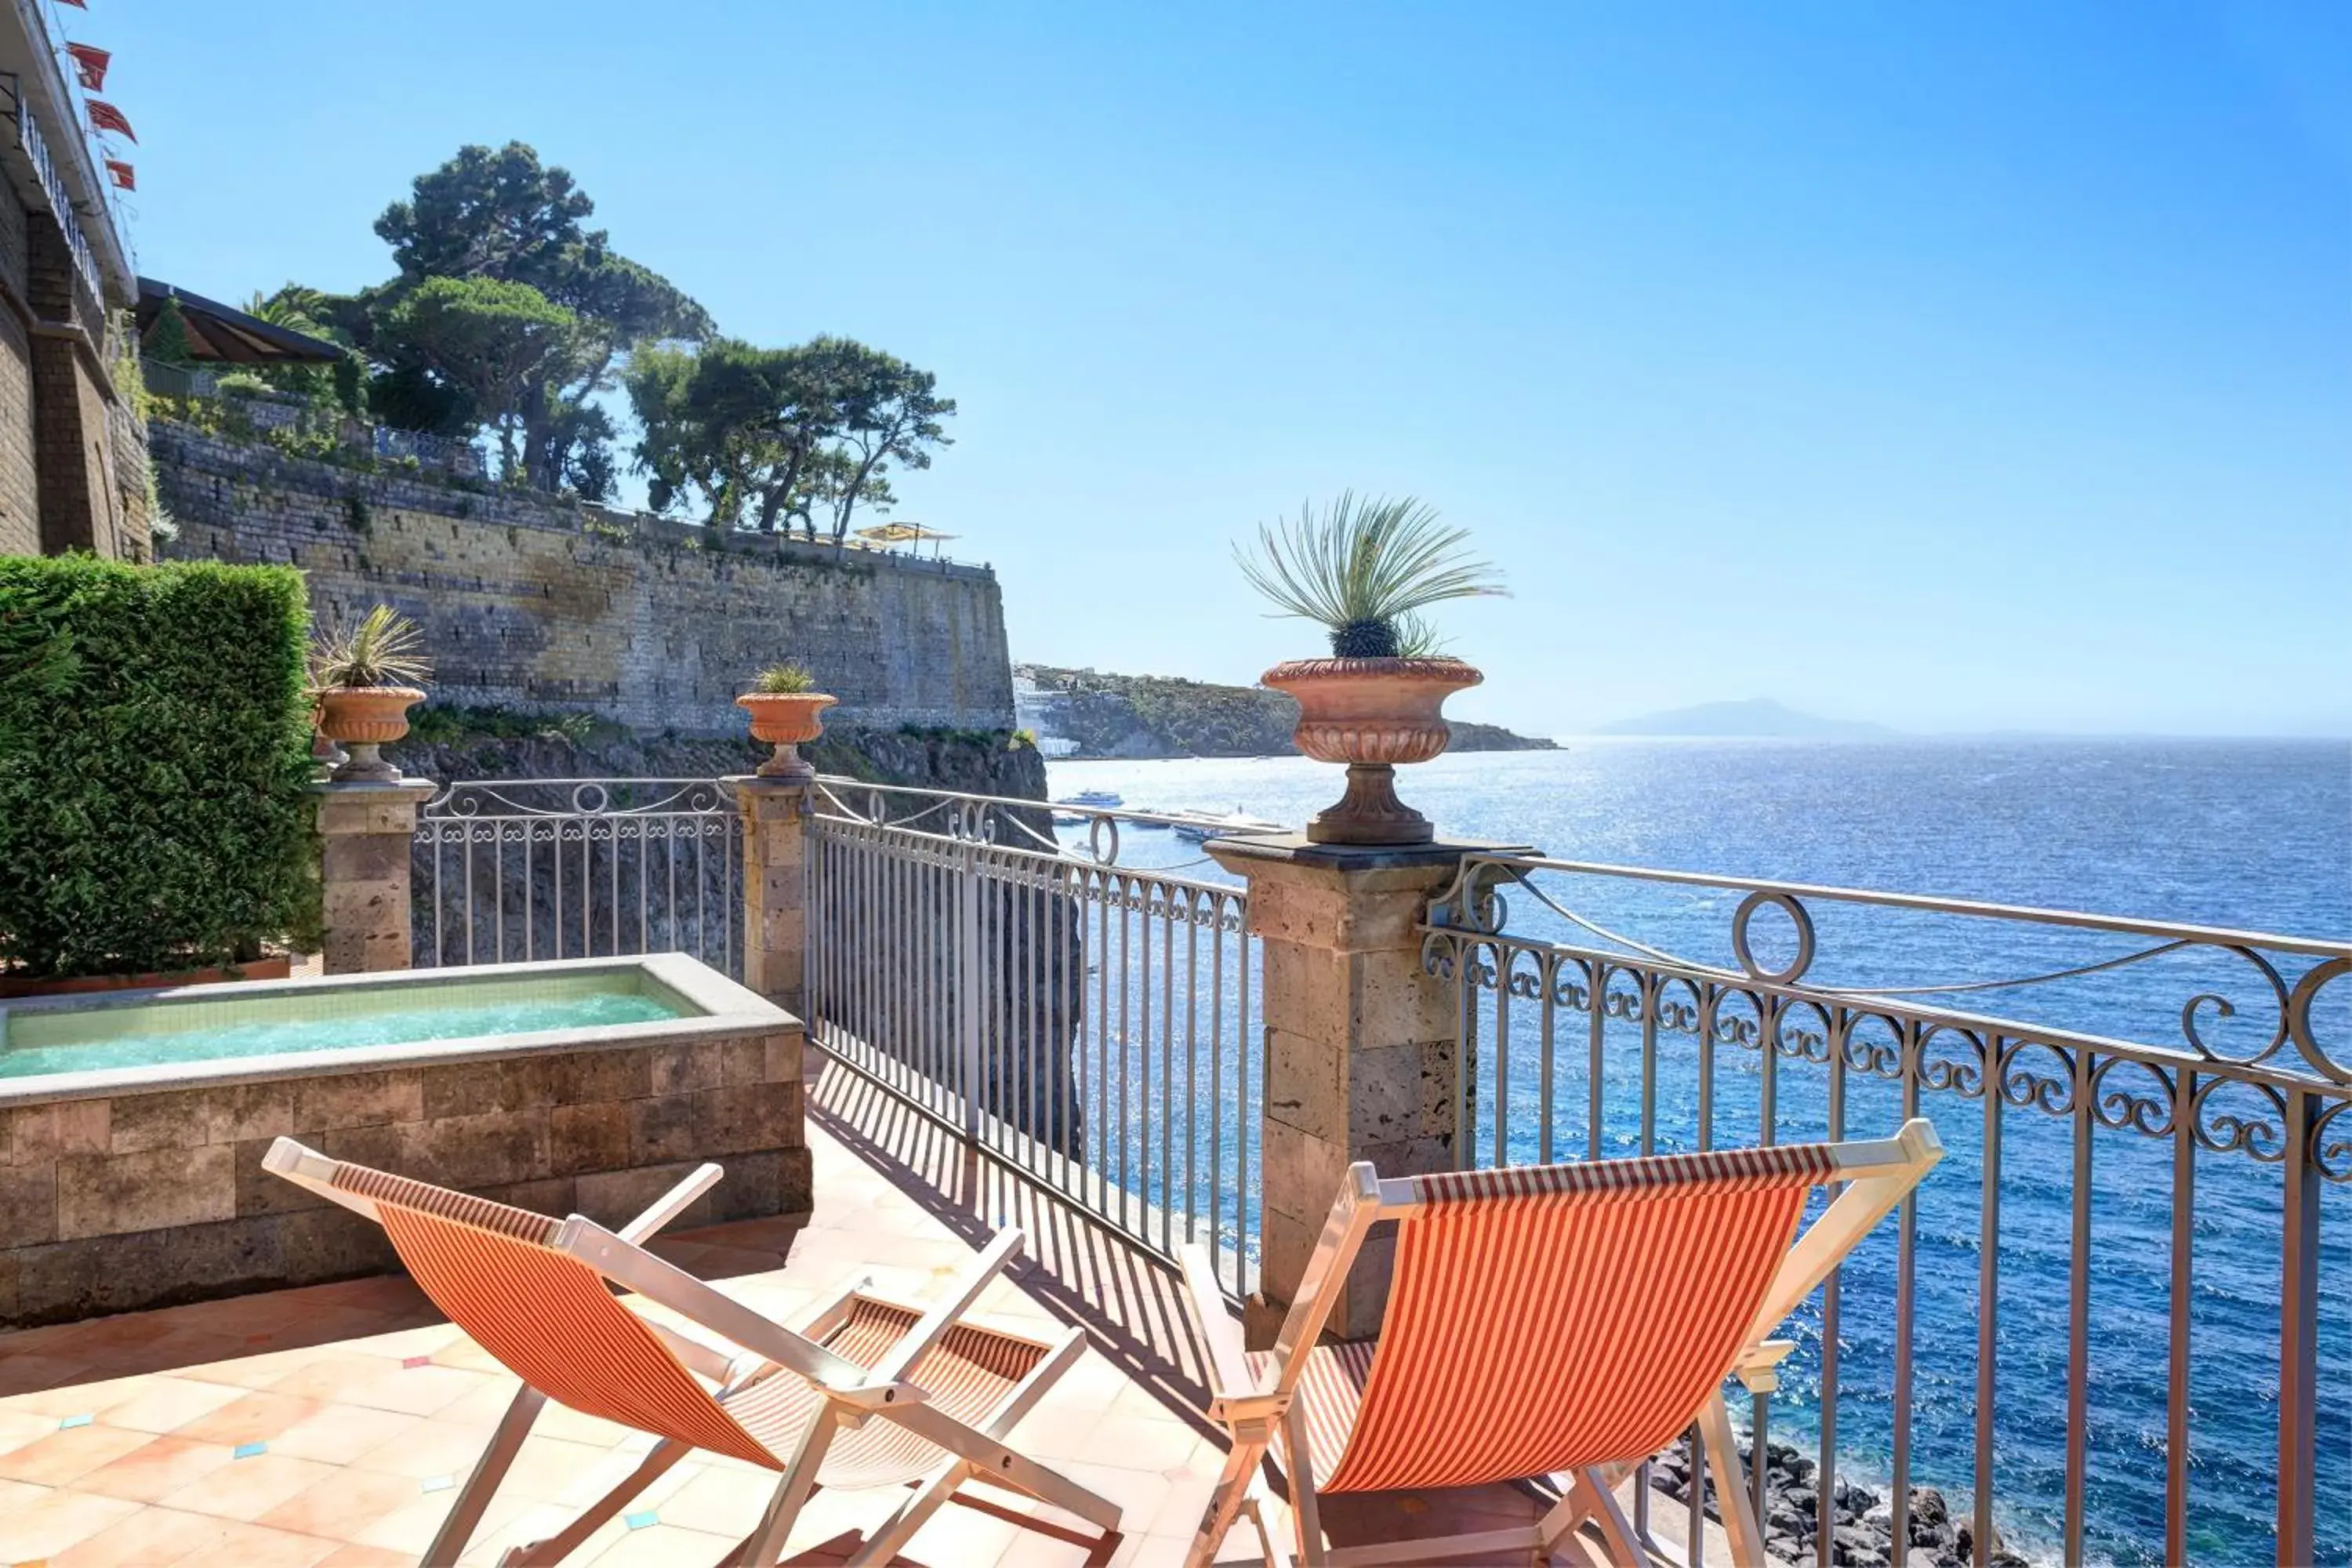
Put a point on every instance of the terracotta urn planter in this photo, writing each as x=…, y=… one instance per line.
x=361, y=719
x=1371, y=714
x=786, y=719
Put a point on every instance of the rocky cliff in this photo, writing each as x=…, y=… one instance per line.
x=454, y=744
x=545, y=603
x=1155, y=716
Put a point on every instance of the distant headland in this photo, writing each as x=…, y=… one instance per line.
x=1091, y=714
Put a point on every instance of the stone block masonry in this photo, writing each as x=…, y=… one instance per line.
x=123, y=1202
x=536, y=603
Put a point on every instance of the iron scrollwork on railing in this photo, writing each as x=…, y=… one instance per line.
x=994, y=819
x=1946, y=1032
x=526, y=869
x=581, y=798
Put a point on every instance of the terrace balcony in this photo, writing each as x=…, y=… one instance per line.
x=119, y=1436
x=1094, y=1030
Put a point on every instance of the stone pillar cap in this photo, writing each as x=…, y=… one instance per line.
x=1241, y=855
x=416, y=788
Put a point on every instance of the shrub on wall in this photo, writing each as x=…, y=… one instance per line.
x=154, y=747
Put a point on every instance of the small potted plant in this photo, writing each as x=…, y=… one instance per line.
x=787, y=710
x=361, y=680
x=1364, y=569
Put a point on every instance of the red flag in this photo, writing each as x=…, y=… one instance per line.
x=89, y=63
x=104, y=116
x=124, y=176
x=77, y=5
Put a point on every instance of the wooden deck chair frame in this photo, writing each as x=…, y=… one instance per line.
x=1872, y=1176
x=849, y=1395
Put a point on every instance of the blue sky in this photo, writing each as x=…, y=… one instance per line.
x=1959, y=366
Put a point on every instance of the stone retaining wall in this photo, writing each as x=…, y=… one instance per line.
x=138, y=1200
x=534, y=603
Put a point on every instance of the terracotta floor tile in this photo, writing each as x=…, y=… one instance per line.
x=410, y=1527
x=961, y=1535
x=258, y=1546
x=561, y=1421
x=83, y=1398
x=253, y=1417
x=402, y=1343
x=463, y=1353
x=65, y=1456
x=367, y=1557
x=662, y=1546
x=258, y=1369
x=248, y=1488
x=493, y=1539
x=328, y=1378
x=343, y=1503
x=156, y=1469
x=551, y=1470
x=828, y=1515
x=146, y=1538
x=51, y=1523
x=24, y=1376
x=485, y=1407
x=721, y=1501
x=166, y=1403
x=419, y=1390
x=429, y=1448
x=1036, y=1550
x=186, y=1347
x=341, y=1434
x=19, y=1428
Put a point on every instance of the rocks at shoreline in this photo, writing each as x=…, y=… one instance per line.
x=1861, y=1522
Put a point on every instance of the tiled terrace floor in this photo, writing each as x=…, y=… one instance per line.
x=326, y=1427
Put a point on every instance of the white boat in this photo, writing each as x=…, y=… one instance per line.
x=1201, y=826
x=1070, y=811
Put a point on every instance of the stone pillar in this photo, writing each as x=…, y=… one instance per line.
x=775, y=889
x=1359, y=1048
x=364, y=834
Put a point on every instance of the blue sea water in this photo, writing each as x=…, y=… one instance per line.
x=2252, y=834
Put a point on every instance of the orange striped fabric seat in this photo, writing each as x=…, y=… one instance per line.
x=1604, y=1300
x=965, y=1374
x=551, y=1321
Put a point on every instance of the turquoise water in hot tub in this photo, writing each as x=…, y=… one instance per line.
x=169, y=1032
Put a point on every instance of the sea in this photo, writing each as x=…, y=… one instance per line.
x=2243, y=834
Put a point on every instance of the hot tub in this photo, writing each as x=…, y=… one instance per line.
x=132, y=1124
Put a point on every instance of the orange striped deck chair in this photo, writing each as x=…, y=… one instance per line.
x=869, y=1392
x=1566, y=1322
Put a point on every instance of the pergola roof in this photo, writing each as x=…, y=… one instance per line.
x=220, y=334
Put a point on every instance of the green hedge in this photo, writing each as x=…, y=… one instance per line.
x=154, y=752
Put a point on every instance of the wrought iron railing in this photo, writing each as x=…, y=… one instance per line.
x=2102, y=1322
x=454, y=454
x=1089, y=1021
x=514, y=869
x=2102, y=1318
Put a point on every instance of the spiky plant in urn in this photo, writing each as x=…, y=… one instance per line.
x=1365, y=568
x=362, y=682
x=787, y=711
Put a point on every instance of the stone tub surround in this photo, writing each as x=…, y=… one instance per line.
x=134, y=1187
